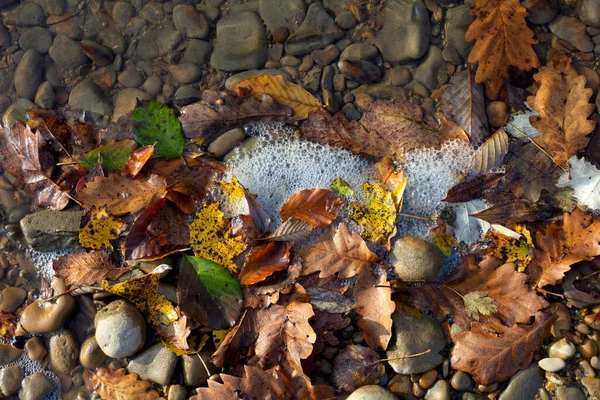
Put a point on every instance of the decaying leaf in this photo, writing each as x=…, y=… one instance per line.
x=374, y=304
x=282, y=91
x=467, y=228
x=121, y=194
x=238, y=341
x=210, y=238
x=156, y=124
x=502, y=39
x=463, y=102
x=314, y=206
x=265, y=260
x=389, y=175
x=562, y=102
x=138, y=159
x=513, y=212
x=143, y=293
x=584, y=178
x=113, y=155
x=478, y=302
x=491, y=154
x=119, y=385
x=472, y=189
x=20, y=157
x=356, y=366
x=99, y=229
x=494, y=352
x=208, y=293
x=329, y=301
x=345, y=254
x=342, y=189
x=176, y=333
x=87, y=268
x=512, y=250
x=8, y=326
x=291, y=230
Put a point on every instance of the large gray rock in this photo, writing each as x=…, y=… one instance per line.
x=66, y=52
x=413, y=335
x=523, y=385
x=29, y=74
x=155, y=364
x=433, y=71
x=458, y=20
x=90, y=97
x=241, y=43
x=120, y=329
x=282, y=13
x=573, y=31
x=26, y=14
x=157, y=43
x=371, y=392
x=588, y=12
x=416, y=260
x=405, y=32
x=49, y=230
x=318, y=30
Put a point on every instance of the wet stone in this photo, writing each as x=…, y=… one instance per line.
x=36, y=38
x=64, y=351
x=152, y=85
x=194, y=372
x=157, y=43
x=359, y=52
x=416, y=259
x=100, y=55
x=185, y=72
x=561, y=349
x=345, y=20
x=458, y=20
x=66, y=52
x=588, y=12
x=359, y=71
x=9, y=354
x=177, y=392
x=10, y=380
x=540, y=12
x=317, y=31
x=523, y=385
x=552, y=364
x=572, y=31
x=196, y=52
x=49, y=230
x=326, y=56
x=91, y=355
x=36, y=387
x=155, y=364
x=439, y=391
x=432, y=72
x=287, y=14
x=120, y=329
x=36, y=350
x=186, y=95
x=190, y=22
x=45, y=97
x=28, y=14
x=90, y=97
x=569, y=393
x=240, y=44
x=371, y=392
x=28, y=75
x=122, y=13
x=226, y=142
x=461, y=381
x=48, y=316
x=11, y=298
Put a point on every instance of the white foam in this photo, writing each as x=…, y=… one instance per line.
x=42, y=260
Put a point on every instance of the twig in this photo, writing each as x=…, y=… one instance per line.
x=544, y=292
x=414, y=217
x=400, y=357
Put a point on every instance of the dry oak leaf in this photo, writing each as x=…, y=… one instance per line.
x=562, y=244
x=345, y=254
x=99, y=228
x=121, y=194
x=87, y=268
x=20, y=157
x=502, y=39
x=282, y=91
x=318, y=207
x=119, y=385
x=356, y=366
x=562, y=102
x=374, y=304
x=494, y=352
x=264, y=261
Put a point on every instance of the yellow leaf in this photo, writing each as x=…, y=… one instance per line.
x=218, y=335
x=195, y=345
x=100, y=230
x=211, y=239
x=282, y=91
x=443, y=239
x=234, y=202
x=511, y=250
x=143, y=293
x=342, y=189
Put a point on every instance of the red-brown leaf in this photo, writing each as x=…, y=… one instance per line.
x=314, y=206
x=138, y=159
x=265, y=260
x=87, y=269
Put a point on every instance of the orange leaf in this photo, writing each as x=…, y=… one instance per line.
x=265, y=260
x=138, y=159
x=119, y=385
x=314, y=206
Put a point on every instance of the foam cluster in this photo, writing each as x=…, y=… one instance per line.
x=43, y=261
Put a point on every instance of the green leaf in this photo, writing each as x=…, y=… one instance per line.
x=114, y=155
x=156, y=123
x=208, y=293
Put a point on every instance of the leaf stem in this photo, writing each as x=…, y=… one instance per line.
x=400, y=357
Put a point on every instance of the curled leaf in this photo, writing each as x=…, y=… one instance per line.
x=265, y=260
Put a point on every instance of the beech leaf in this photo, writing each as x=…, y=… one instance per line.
x=356, y=366
x=491, y=154
x=119, y=385
x=87, y=268
x=584, y=178
x=291, y=230
x=314, y=206
x=176, y=334
x=113, y=155
x=99, y=229
x=156, y=124
x=264, y=261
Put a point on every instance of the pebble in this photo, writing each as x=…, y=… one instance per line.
x=277, y=14
x=66, y=52
x=587, y=369
x=540, y=12
x=10, y=380
x=186, y=95
x=196, y=52
x=185, y=72
x=9, y=354
x=572, y=31
x=89, y=97
x=11, y=298
x=428, y=379
x=371, y=392
x=439, y=391
x=152, y=85
x=563, y=323
x=339, y=82
x=592, y=385
x=122, y=13
x=157, y=43
x=569, y=393
x=595, y=362
x=91, y=355
x=281, y=34
x=359, y=71
x=591, y=76
x=416, y=260
x=523, y=385
x=415, y=335
x=5, y=38
x=120, y=329
x=461, y=381
x=71, y=26
x=48, y=316
x=177, y=392
x=317, y=31
x=190, y=22
x=226, y=142
x=432, y=72
x=36, y=38
x=458, y=20
x=45, y=97
x=36, y=387
x=27, y=14
x=588, y=349
x=28, y=75
x=155, y=364
x=240, y=44
x=36, y=350
x=194, y=371
x=326, y=56
x=497, y=112
x=552, y=364
x=100, y=55
x=359, y=52
x=451, y=55
x=588, y=12
x=345, y=20
x=408, y=20
x=64, y=351
x=399, y=76
x=131, y=77
x=561, y=349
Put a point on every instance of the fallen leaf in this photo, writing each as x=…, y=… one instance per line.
x=291, y=230
x=512, y=250
x=113, y=155
x=282, y=91
x=473, y=189
x=122, y=194
x=143, y=293
x=259, y=216
x=176, y=333
x=328, y=301
x=514, y=212
x=8, y=326
x=562, y=102
x=265, y=260
x=238, y=342
x=20, y=157
x=342, y=189
x=502, y=39
x=467, y=228
x=374, y=304
x=138, y=159
x=156, y=124
x=478, y=302
x=99, y=229
x=491, y=154
x=314, y=206
x=584, y=179
x=210, y=238
x=389, y=174
x=443, y=239
x=119, y=385
x=356, y=366
x=494, y=352
x=219, y=112
x=519, y=126
x=87, y=268
x=345, y=254
x=463, y=101
x=208, y=293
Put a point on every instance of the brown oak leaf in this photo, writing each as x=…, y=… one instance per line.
x=314, y=206
x=87, y=268
x=265, y=260
x=119, y=385
x=356, y=366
